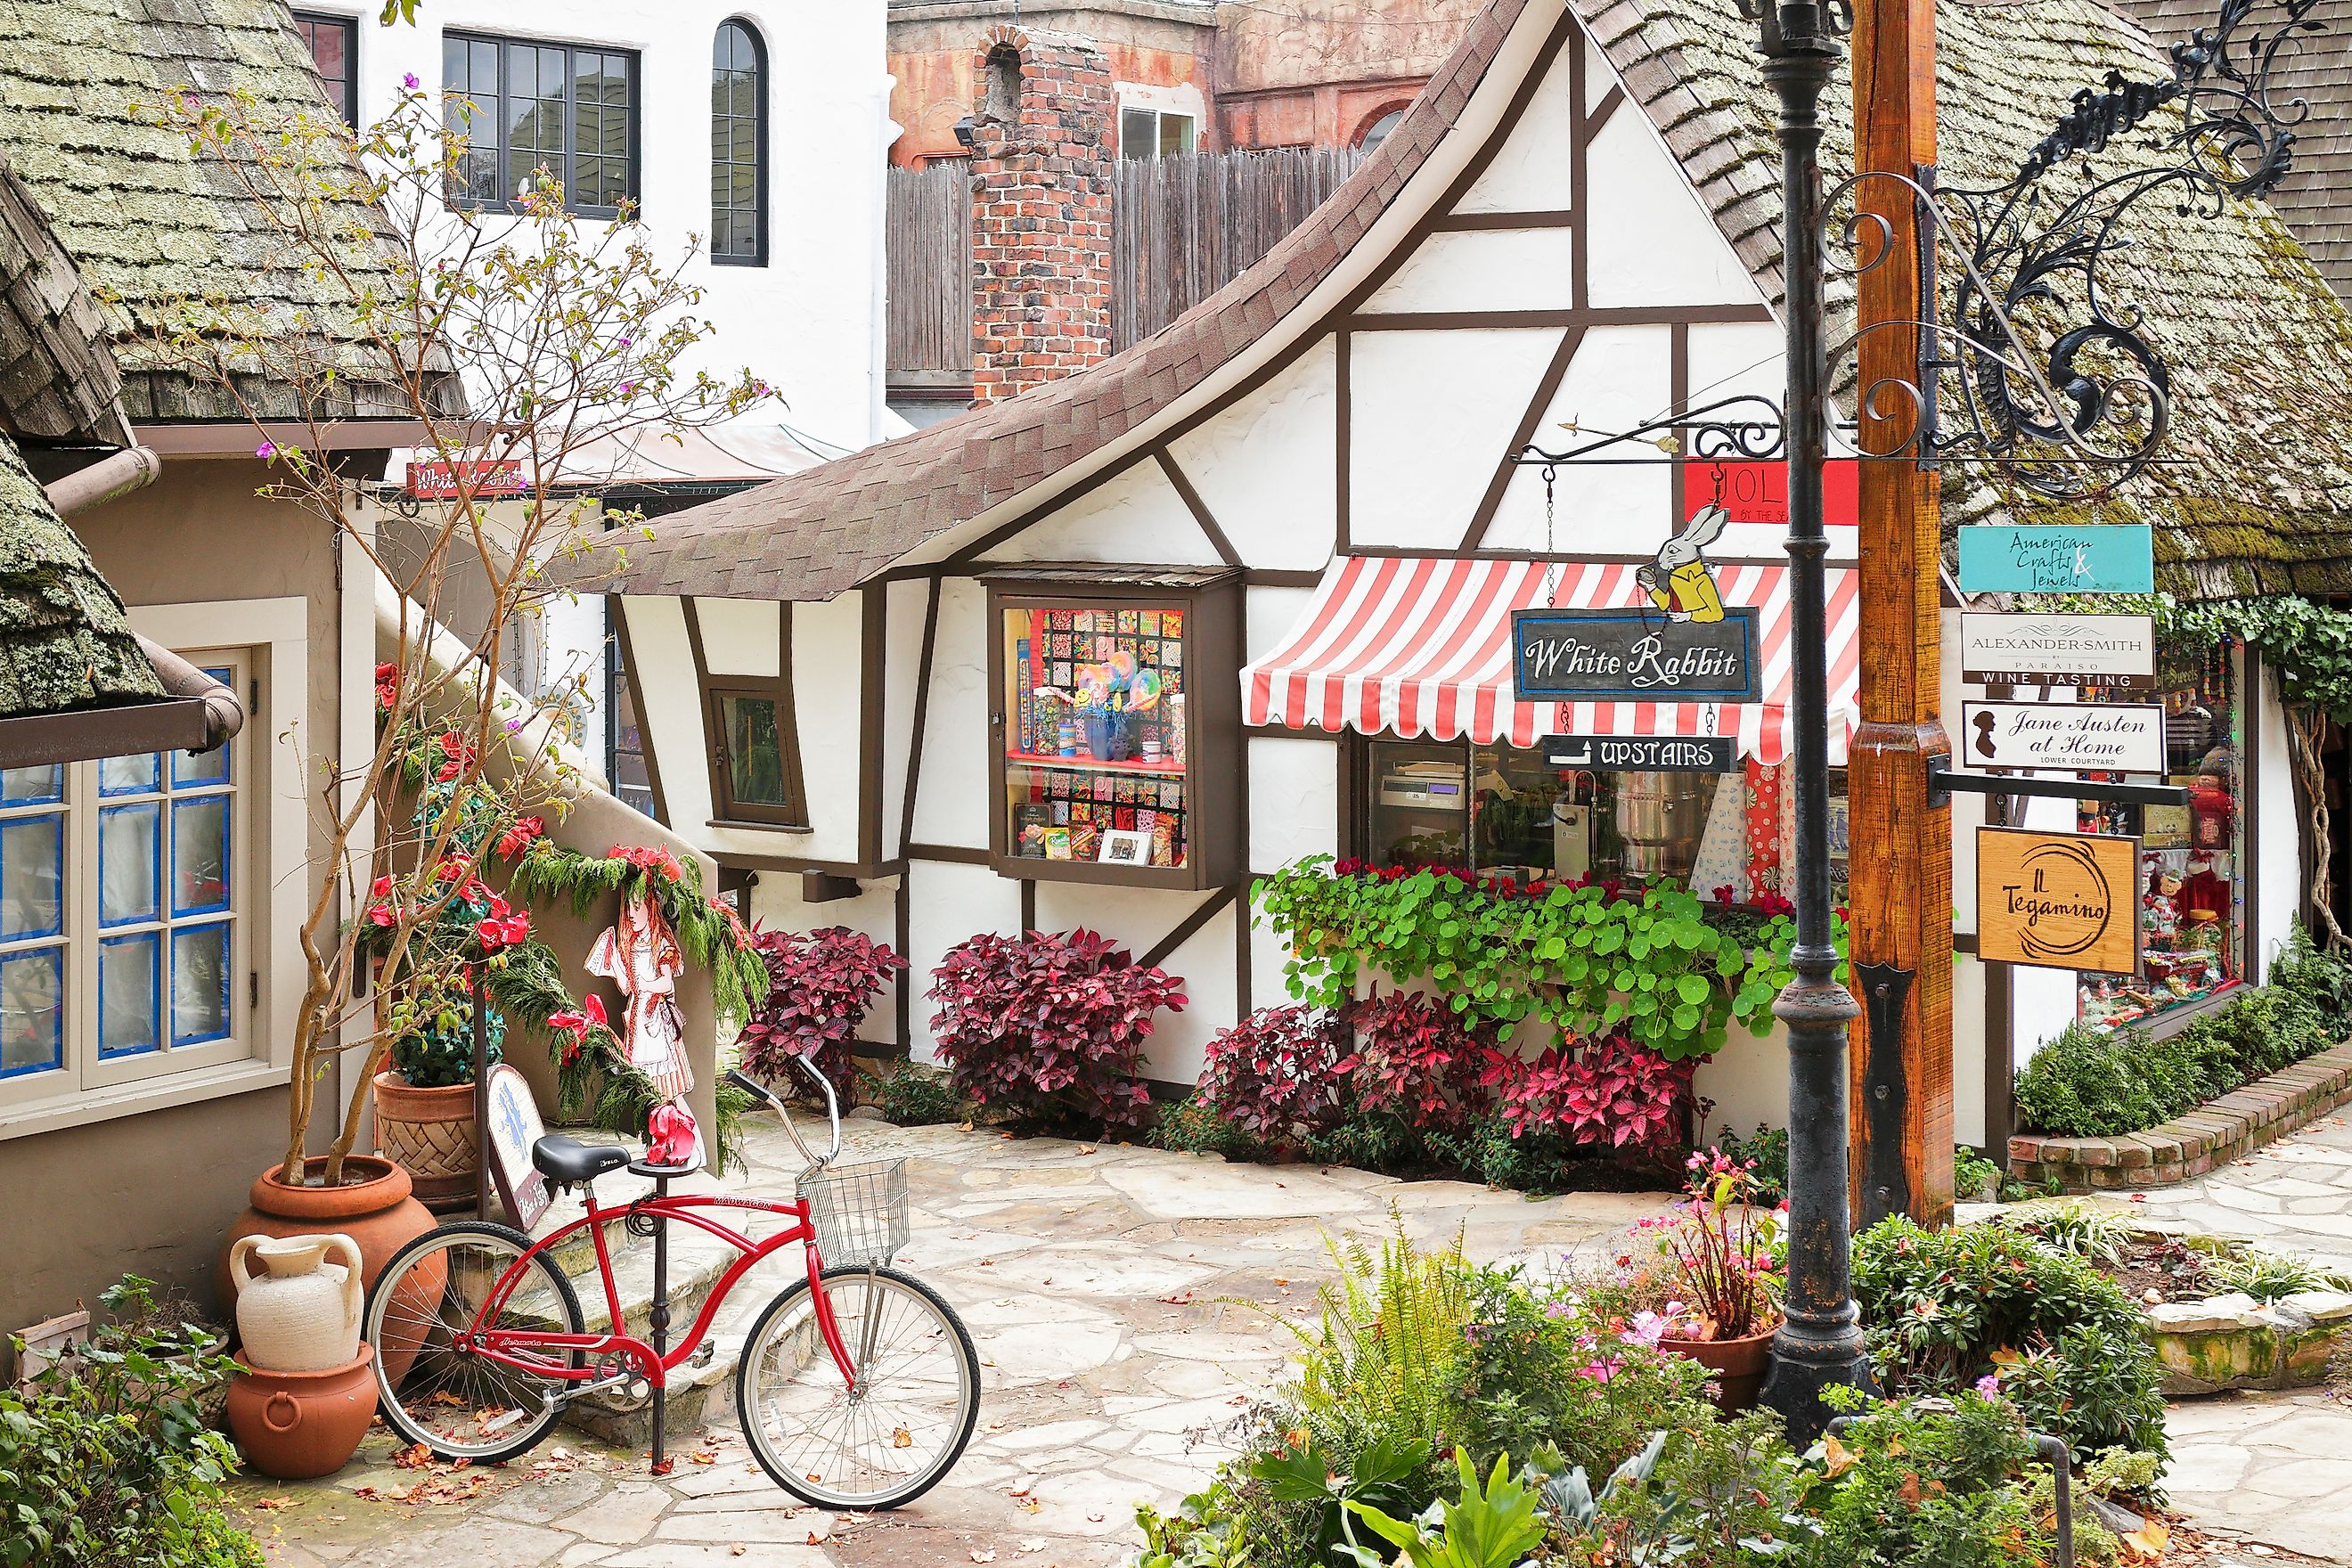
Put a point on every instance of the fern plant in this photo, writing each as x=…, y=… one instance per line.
x=1390, y=1331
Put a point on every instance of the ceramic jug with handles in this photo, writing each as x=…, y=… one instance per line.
x=301, y=1313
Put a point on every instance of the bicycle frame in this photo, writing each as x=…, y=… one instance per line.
x=512, y=1347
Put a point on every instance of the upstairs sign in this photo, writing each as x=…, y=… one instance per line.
x=1600, y=656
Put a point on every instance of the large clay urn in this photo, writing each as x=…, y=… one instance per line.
x=293, y=1425
x=429, y=1133
x=297, y=1312
x=374, y=1207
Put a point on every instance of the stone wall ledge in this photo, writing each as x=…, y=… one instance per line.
x=2232, y=1341
x=2194, y=1142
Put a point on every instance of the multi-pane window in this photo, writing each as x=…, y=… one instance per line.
x=522, y=106
x=739, y=147
x=334, y=44
x=122, y=911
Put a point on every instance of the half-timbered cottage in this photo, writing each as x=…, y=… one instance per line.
x=1296, y=506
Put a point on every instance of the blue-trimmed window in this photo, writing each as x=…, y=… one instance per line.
x=121, y=948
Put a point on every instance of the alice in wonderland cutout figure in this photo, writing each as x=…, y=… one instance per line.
x=641, y=956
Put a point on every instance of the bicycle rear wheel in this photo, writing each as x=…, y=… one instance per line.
x=889, y=1440
x=459, y=1405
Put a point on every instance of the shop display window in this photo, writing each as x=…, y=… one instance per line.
x=1107, y=691
x=2193, y=857
x=1506, y=811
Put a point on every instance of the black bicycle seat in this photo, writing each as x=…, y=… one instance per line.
x=567, y=1162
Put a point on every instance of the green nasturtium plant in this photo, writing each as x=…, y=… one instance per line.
x=1590, y=957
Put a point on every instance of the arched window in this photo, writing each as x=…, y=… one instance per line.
x=739, y=147
x=1375, y=133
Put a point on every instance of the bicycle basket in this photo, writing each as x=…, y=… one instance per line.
x=859, y=1212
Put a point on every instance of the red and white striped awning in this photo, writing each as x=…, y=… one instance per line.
x=1422, y=647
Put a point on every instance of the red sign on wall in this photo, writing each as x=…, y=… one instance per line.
x=446, y=482
x=1758, y=491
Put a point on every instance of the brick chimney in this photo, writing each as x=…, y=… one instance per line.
x=1041, y=167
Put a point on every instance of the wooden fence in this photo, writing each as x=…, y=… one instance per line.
x=1182, y=228
x=928, y=241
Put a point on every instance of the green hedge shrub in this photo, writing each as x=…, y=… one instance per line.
x=1945, y=1309
x=2097, y=1083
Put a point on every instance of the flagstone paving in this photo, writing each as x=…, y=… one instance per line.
x=2293, y=1195
x=1128, y=1305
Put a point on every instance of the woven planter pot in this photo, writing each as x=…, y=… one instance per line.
x=430, y=1134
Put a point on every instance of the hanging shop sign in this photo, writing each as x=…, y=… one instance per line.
x=514, y=1128
x=1757, y=491
x=2098, y=558
x=2058, y=900
x=1644, y=754
x=2066, y=737
x=1580, y=656
x=2058, y=650
x=446, y=481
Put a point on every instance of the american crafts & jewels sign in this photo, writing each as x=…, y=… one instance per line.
x=2097, y=558
x=1585, y=656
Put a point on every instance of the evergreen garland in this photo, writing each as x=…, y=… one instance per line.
x=708, y=933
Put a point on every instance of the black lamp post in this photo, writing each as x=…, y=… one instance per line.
x=1820, y=1342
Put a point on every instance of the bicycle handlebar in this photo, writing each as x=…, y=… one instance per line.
x=831, y=1109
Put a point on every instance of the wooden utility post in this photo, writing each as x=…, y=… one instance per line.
x=1900, y=877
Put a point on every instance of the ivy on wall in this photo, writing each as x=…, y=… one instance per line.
x=1591, y=958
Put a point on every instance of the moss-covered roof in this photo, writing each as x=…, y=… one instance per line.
x=148, y=222
x=64, y=642
x=57, y=376
x=2253, y=492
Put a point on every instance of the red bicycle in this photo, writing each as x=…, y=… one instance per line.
x=858, y=1386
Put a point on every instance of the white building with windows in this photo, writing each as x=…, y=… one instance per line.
x=752, y=135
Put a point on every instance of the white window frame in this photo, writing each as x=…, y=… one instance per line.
x=269, y=650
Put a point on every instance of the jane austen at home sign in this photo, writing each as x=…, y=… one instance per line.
x=2070, y=737
x=2058, y=900
x=1579, y=656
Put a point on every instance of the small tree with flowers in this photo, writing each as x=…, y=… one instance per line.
x=400, y=259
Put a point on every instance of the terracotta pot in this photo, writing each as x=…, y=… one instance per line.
x=293, y=1425
x=1739, y=1366
x=430, y=1134
x=375, y=1210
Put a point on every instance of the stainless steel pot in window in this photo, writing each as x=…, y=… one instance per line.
x=1659, y=816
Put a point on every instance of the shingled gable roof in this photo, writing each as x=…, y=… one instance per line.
x=2316, y=202
x=145, y=218
x=814, y=534
x=2253, y=491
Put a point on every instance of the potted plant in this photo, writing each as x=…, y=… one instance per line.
x=1720, y=1263
x=424, y=1099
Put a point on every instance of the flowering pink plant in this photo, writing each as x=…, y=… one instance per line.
x=1718, y=1246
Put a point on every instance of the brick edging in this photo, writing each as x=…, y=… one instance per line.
x=2189, y=1145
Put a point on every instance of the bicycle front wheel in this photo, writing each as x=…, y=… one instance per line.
x=461, y=1404
x=889, y=1440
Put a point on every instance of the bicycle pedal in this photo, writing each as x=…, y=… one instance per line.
x=702, y=1357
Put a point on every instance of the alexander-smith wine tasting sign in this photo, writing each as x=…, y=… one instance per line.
x=1588, y=656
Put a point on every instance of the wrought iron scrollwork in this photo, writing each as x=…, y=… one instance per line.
x=2052, y=376
x=2027, y=360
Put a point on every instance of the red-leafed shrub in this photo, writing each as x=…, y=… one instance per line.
x=1416, y=1062
x=820, y=986
x=1608, y=1091
x=1281, y=1075
x=1050, y=1027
